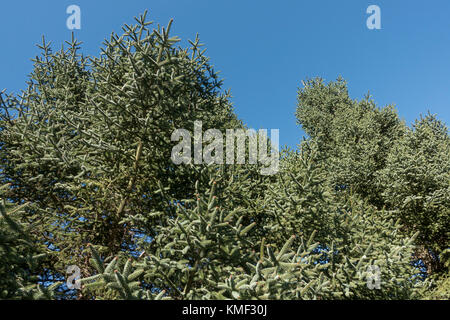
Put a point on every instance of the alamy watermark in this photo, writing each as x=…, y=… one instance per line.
x=73, y=281
x=373, y=277
x=374, y=20
x=261, y=149
x=74, y=20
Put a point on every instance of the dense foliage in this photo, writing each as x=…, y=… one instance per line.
x=89, y=181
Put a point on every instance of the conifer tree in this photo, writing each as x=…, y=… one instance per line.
x=416, y=184
x=20, y=259
x=371, y=153
x=88, y=147
x=356, y=136
x=203, y=249
x=351, y=233
x=89, y=139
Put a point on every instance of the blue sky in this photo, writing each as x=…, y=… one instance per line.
x=265, y=48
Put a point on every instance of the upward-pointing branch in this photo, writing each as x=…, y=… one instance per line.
x=132, y=180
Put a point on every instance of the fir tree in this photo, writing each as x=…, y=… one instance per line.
x=89, y=139
x=88, y=147
x=202, y=249
x=356, y=136
x=371, y=153
x=20, y=258
x=416, y=181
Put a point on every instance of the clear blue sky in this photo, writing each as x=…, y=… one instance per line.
x=265, y=48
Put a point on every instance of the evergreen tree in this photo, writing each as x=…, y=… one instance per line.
x=416, y=184
x=370, y=152
x=87, y=147
x=351, y=233
x=89, y=139
x=355, y=135
x=203, y=249
x=20, y=258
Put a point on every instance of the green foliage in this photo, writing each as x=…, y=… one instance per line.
x=351, y=234
x=416, y=184
x=196, y=243
x=88, y=147
x=370, y=152
x=19, y=258
x=438, y=290
x=91, y=137
x=356, y=136
x=299, y=201
x=202, y=249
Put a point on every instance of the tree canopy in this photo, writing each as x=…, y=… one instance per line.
x=89, y=182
